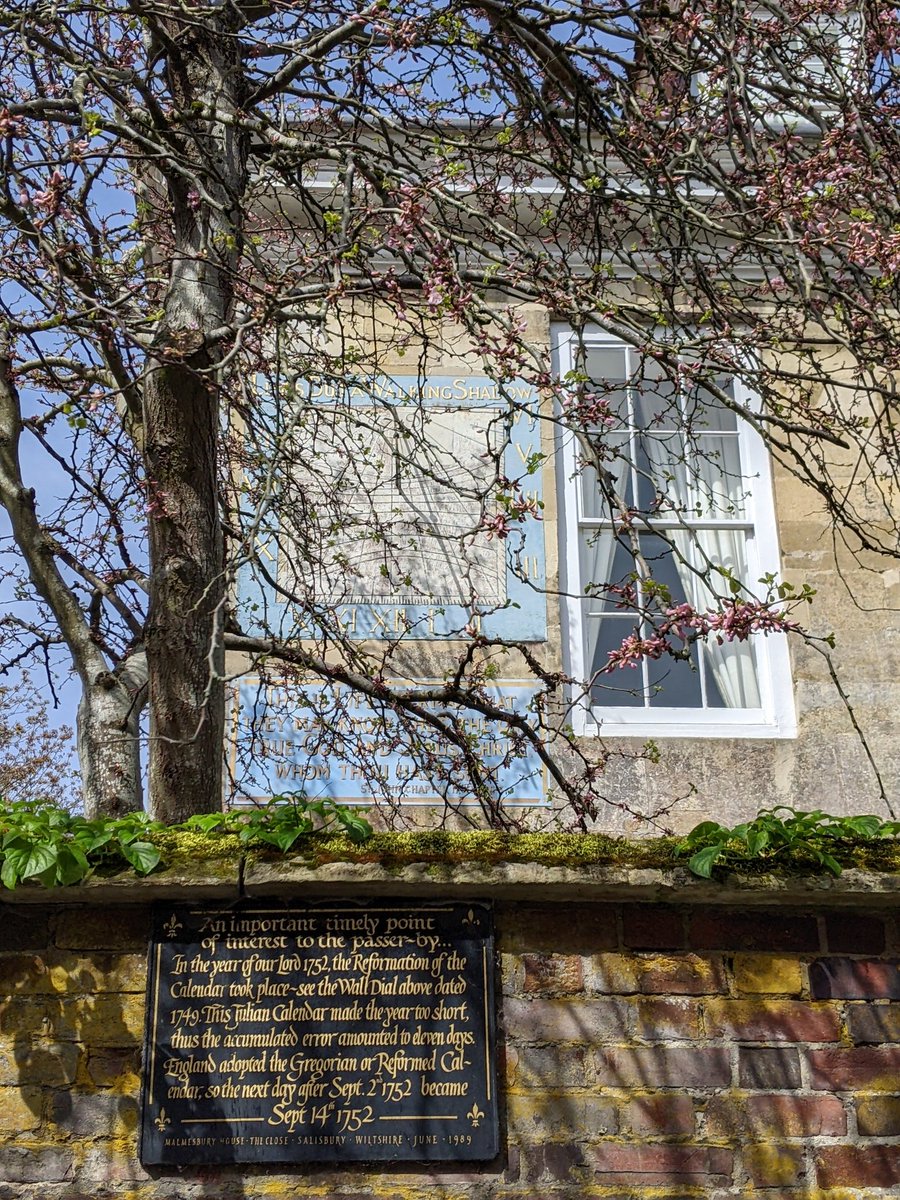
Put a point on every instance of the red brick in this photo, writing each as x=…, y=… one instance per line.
x=553, y=1160
x=848, y=933
x=665, y=1020
x=858, y=1166
x=562, y=929
x=559, y=974
x=775, y=1116
x=652, y=927
x=656, y=1166
x=769, y=1067
x=657, y=1116
x=768, y=929
x=772, y=1021
x=878, y=1116
x=663, y=1066
x=874, y=1023
x=854, y=979
x=567, y=1020
x=866, y=1068
x=682, y=975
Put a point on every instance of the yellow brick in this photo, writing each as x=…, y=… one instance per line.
x=767, y=973
x=773, y=1166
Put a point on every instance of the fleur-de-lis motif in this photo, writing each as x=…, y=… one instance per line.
x=475, y=1114
x=470, y=918
x=172, y=926
x=162, y=1122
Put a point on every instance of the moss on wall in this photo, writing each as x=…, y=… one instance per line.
x=182, y=848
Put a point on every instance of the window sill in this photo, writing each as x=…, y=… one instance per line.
x=737, y=728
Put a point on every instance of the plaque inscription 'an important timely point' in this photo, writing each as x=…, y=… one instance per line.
x=322, y=1032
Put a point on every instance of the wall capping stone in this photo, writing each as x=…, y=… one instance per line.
x=229, y=880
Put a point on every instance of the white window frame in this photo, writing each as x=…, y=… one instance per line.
x=776, y=716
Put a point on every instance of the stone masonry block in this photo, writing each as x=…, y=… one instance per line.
x=772, y=1166
x=854, y=979
x=24, y=1017
x=118, y=1068
x=93, y=1115
x=769, y=1067
x=20, y=1109
x=35, y=1165
x=737, y=1116
x=765, y=973
x=109, y=1020
x=878, y=1116
x=874, y=1023
x=863, y=1068
x=120, y=927
x=56, y=972
x=772, y=1021
x=590, y=1021
x=663, y=1066
x=25, y=928
x=35, y=1061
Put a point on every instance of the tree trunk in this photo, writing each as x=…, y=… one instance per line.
x=204, y=194
x=108, y=737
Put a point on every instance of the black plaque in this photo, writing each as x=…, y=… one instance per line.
x=344, y=1031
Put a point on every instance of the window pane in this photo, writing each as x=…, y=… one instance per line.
x=733, y=669
x=604, y=560
x=705, y=411
x=662, y=475
x=597, y=495
x=717, y=485
x=675, y=683
x=623, y=686
x=656, y=406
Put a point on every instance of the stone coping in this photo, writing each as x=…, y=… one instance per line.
x=530, y=882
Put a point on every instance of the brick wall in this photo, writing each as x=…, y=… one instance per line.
x=647, y=1052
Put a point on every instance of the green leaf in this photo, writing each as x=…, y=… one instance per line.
x=72, y=865
x=704, y=860
x=38, y=860
x=704, y=831
x=143, y=856
x=9, y=873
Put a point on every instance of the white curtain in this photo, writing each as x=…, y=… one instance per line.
x=703, y=481
x=598, y=545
